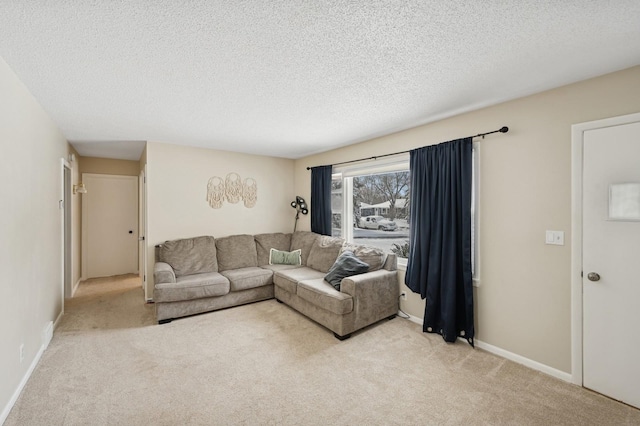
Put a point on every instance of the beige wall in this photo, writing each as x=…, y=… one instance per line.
x=523, y=300
x=177, y=179
x=108, y=166
x=30, y=230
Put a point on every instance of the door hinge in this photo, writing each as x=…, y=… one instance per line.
x=582, y=274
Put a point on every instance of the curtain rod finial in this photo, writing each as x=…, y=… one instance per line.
x=504, y=129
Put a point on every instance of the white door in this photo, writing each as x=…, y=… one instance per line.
x=611, y=249
x=109, y=225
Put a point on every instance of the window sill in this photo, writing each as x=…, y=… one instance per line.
x=402, y=264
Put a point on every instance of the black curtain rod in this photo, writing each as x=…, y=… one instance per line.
x=503, y=129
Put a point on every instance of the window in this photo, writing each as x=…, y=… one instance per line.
x=373, y=199
x=370, y=205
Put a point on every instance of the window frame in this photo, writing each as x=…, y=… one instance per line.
x=346, y=173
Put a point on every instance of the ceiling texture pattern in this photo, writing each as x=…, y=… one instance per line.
x=291, y=78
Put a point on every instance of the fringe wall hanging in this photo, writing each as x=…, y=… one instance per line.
x=215, y=192
x=233, y=189
x=250, y=192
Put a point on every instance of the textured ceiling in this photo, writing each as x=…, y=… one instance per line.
x=290, y=78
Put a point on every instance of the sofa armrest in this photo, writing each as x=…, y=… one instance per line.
x=391, y=262
x=375, y=295
x=163, y=273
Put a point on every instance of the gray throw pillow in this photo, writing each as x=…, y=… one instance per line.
x=346, y=265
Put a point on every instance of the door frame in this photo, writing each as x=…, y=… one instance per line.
x=577, y=148
x=142, y=229
x=66, y=221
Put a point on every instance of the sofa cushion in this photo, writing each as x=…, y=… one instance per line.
x=287, y=279
x=236, y=251
x=265, y=242
x=281, y=257
x=190, y=255
x=323, y=295
x=303, y=240
x=276, y=268
x=163, y=273
x=372, y=256
x=246, y=278
x=191, y=287
x=347, y=264
x=324, y=252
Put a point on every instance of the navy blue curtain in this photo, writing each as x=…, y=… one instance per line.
x=321, y=200
x=439, y=265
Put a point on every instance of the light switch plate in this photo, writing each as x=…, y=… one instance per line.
x=554, y=238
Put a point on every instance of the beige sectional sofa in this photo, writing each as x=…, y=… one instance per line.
x=204, y=274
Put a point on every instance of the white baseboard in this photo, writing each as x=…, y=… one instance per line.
x=23, y=382
x=535, y=365
x=525, y=361
x=55, y=323
x=75, y=287
x=411, y=317
x=47, y=335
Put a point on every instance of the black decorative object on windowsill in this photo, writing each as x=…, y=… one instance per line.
x=301, y=207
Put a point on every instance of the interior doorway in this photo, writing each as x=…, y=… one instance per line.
x=109, y=225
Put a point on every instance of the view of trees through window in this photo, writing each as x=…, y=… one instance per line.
x=380, y=210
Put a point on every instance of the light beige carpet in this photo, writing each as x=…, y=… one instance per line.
x=110, y=364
